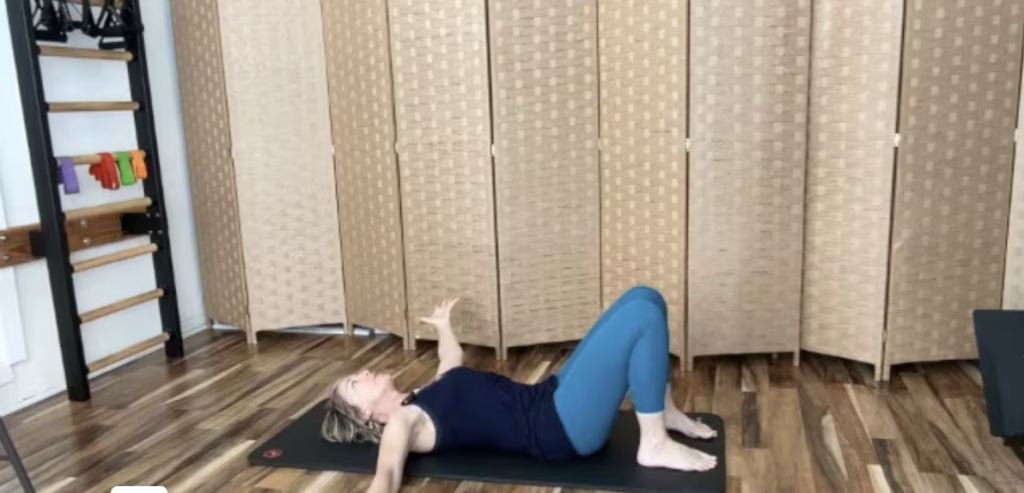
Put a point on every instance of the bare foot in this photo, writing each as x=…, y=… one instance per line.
x=677, y=421
x=669, y=454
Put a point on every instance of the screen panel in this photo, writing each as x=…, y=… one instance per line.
x=443, y=118
x=749, y=100
x=643, y=67
x=204, y=108
x=855, y=71
x=954, y=167
x=545, y=100
x=362, y=119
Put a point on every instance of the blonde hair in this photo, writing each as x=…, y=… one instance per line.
x=344, y=424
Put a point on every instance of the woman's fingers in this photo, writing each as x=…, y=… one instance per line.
x=446, y=306
x=441, y=311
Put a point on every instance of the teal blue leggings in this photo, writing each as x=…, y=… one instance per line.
x=627, y=350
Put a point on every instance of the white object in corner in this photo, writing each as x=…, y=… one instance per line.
x=12, y=335
x=6, y=374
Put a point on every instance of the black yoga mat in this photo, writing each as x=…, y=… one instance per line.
x=614, y=468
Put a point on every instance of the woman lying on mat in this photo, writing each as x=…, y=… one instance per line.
x=566, y=416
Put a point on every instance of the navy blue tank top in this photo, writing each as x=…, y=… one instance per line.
x=481, y=410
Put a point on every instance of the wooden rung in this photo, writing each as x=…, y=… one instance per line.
x=113, y=258
x=99, y=106
x=64, y=52
x=100, y=210
x=127, y=352
x=88, y=159
x=121, y=305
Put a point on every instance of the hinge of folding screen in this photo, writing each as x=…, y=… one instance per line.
x=687, y=145
x=896, y=141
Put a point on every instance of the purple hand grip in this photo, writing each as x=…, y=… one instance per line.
x=67, y=175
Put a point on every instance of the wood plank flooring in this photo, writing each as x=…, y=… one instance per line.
x=823, y=427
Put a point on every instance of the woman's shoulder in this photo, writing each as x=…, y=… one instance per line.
x=412, y=415
x=409, y=413
x=419, y=426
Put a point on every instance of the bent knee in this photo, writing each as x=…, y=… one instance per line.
x=646, y=294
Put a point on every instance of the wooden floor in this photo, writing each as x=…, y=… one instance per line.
x=189, y=425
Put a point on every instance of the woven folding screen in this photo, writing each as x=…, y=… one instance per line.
x=957, y=118
x=362, y=118
x=748, y=109
x=794, y=224
x=289, y=224
x=208, y=137
x=1013, y=294
x=855, y=71
x=544, y=89
x=642, y=50
x=439, y=60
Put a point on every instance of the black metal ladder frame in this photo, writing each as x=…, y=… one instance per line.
x=51, y=215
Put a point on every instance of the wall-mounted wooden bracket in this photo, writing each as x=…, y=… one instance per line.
x=16, y=245
x=25, y=243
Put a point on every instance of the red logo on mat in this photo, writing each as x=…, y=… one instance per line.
x=272, y=454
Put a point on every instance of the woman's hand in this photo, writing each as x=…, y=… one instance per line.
x=379, y=485
x=442, y=316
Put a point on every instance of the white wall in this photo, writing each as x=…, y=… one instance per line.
x=40, y=374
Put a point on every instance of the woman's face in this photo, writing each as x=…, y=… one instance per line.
x=364, y=389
